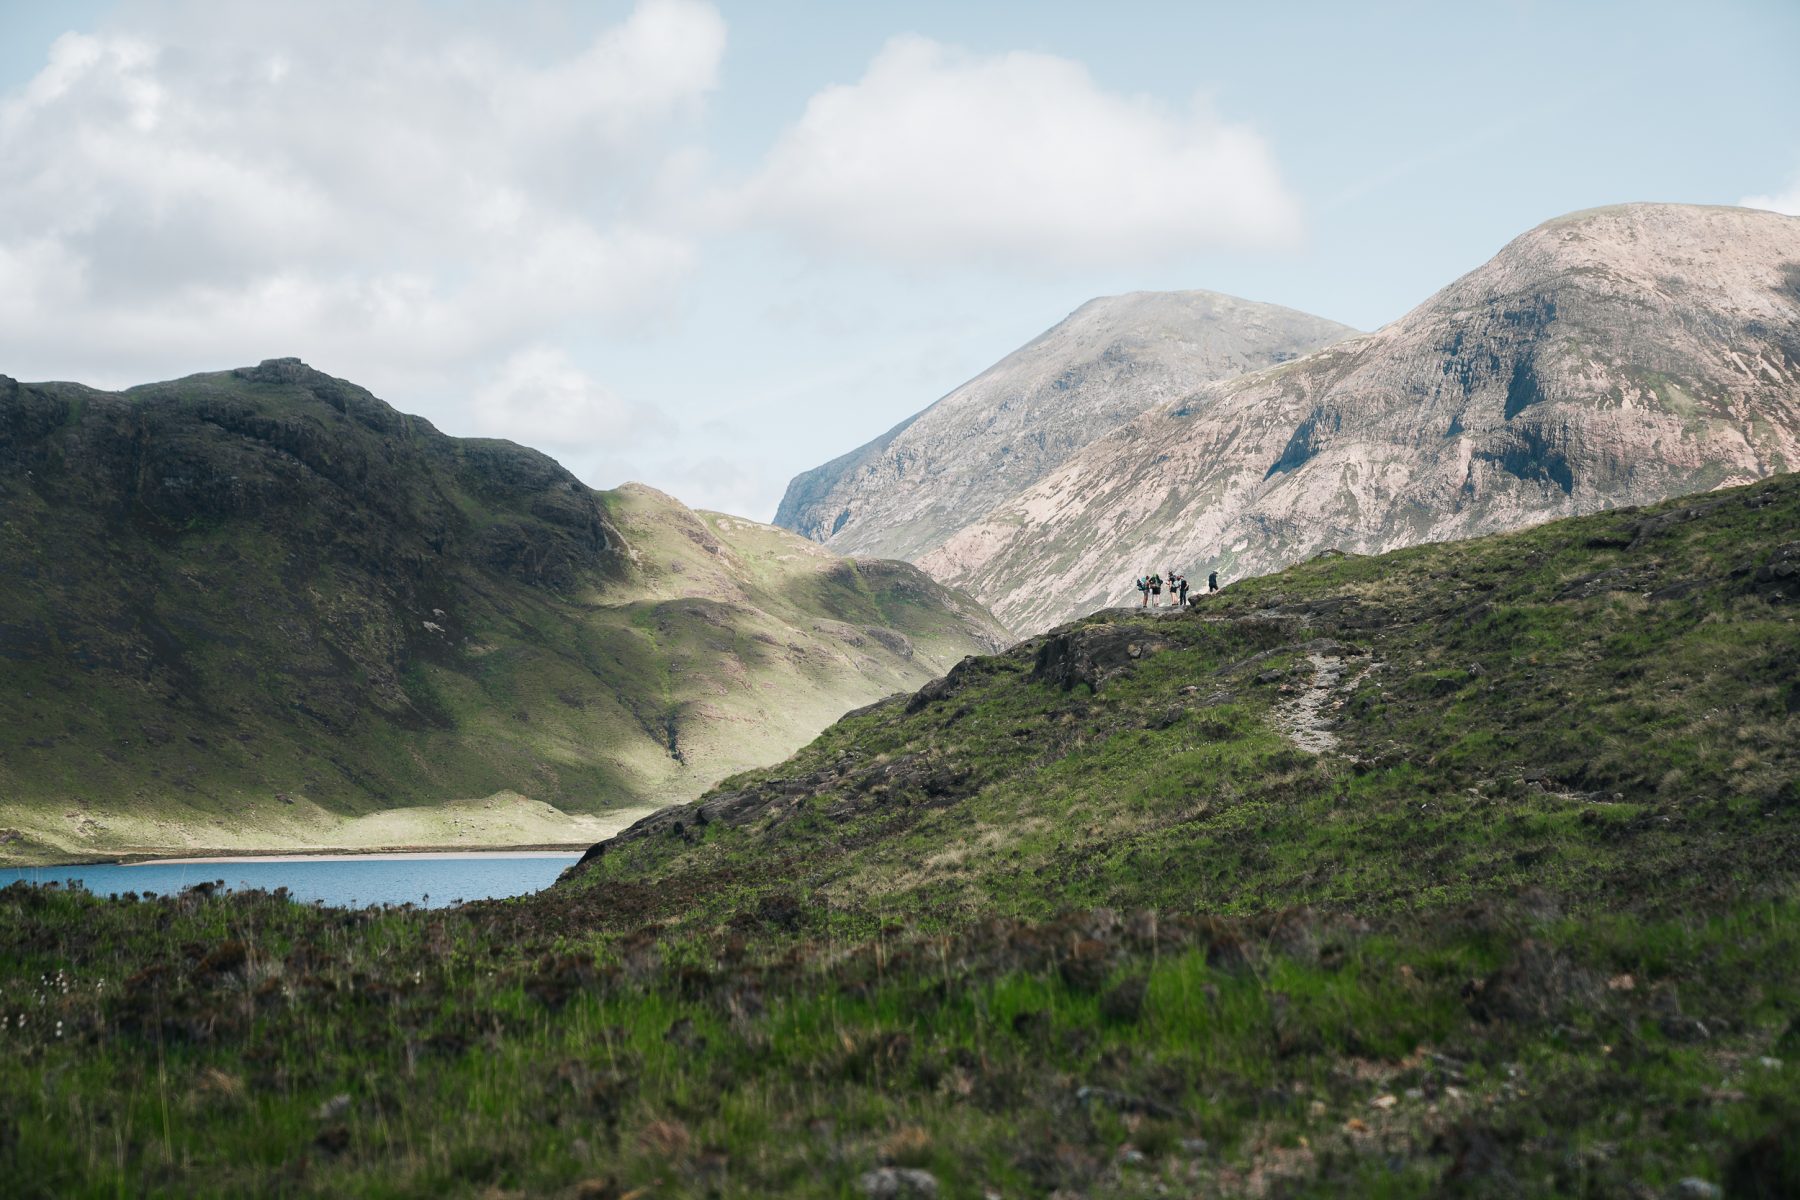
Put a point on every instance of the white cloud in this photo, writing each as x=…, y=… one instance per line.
x=440, y=201
x=371, y=187
x=740, y=484
x=541, y=398
x=655, y=64
x=939, y=155
x=1784, y=202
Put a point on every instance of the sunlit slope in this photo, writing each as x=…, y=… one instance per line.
x=1615, y=356
x=905, y=493
x=243, y=609
x=1605, y=707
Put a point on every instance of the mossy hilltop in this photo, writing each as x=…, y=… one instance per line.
x=1081, y=919
x=262, y=608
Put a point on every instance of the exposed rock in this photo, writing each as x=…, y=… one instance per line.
x=1599, y=583
x=1124, y=1102
x=898, y=698
x=898, y=1183
x=1092, y=654
x=1679, y=1027
x=1607, y=358
x=1780, y=575
x=913, y=778
x=907, y=491
x=947, y=686
x=333, y=1108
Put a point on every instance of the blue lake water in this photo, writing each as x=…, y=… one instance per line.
x=359, y=881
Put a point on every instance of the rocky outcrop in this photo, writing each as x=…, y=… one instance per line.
x=1090, y=655
x=903, y=494
x=321, y=459
x=1611, y=357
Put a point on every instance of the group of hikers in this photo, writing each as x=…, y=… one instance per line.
x=1150, y=588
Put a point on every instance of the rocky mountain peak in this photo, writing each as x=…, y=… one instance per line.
x=278, y=370
x=1615, y=356
x=906, y=492
x=1739, y=259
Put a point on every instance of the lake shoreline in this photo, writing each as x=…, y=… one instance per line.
x=358, y=856
x=135, y=858
x=352, y=881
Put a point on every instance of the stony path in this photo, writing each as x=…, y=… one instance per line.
x=1306, y=719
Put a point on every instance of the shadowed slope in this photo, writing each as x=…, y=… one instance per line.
x=246, y=608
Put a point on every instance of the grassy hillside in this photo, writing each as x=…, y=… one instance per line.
x=1606, y=707
x=1108, y=915
x=257, y=608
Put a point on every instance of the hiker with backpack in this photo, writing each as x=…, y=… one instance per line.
x=1156, y=590
x=1143, y=587
x=1182, y=585
x=1212, y=582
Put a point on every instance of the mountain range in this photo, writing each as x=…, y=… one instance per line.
x=262, y=608
x=1613, y=356
x=1471, y=870
x=908, y=491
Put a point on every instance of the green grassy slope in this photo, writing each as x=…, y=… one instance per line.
x=1607, y=707
x=254, y=608
x=1081, y=919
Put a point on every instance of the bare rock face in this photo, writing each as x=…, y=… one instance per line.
x=903, y=494
x=1610, y=357
x=1092, y=654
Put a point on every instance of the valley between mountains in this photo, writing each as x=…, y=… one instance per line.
x=577, y=615
x=261, y=609
x=1453, y=849
x=1083, y=918
x=1609, y=357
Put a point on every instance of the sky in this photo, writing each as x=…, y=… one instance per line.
x=707, y=245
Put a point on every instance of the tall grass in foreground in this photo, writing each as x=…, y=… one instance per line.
x=410, y=1053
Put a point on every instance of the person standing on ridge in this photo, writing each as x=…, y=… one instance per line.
x=1182, y=585
x=1143, y=586
x=1155, y=590
x=1212, y=582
